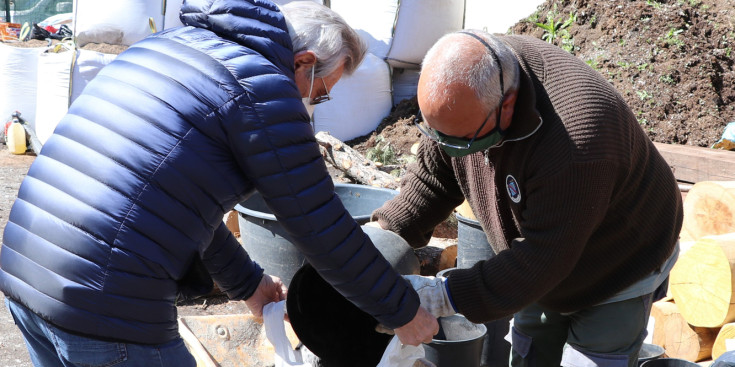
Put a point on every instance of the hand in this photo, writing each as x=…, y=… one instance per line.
x=421, y=329
x=433, y=294
x=270, y=289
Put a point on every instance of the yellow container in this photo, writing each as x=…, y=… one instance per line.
x=17, y=138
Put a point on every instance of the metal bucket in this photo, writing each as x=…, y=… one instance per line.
x=458, y=344
x=269, y=244
x=649, y=352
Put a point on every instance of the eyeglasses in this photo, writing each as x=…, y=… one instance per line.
x=322, y=98
x=441, y=138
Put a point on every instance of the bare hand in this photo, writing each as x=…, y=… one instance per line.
x=270, y=289
x=421, y=329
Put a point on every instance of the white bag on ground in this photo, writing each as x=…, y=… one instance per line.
x=52, y=96
x=18, y=78
x=114, y=22
x=86, y=66
x=275, y=331
x=497, y=16
x=401, y=31
x=171, y=18
x=359, y=101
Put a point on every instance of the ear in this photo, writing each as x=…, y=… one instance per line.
x=304, y=60
x=509, y=103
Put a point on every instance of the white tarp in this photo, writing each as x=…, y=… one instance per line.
x=359, y=101
x=401, y=31
x=18, y=75
x=115, y=22
x=52, y=97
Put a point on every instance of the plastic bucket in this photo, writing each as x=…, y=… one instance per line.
x=669, y=362
x=269, y=245
x=649, y=352
x=472, y=246
x=458, y=344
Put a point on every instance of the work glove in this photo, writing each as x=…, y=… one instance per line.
x=433, y=293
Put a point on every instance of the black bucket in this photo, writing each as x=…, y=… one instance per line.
x=669, y=362
x=472, y=246
x=333, y=328
x=458, y=344
x=649, y=352
x=267, y=242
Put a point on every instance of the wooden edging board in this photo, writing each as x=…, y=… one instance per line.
x=694, y=164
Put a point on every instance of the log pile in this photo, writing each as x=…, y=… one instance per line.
x=697, y=321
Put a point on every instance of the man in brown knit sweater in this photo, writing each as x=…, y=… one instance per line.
x=580, y=209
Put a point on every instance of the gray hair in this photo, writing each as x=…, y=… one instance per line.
x=482, y=77
x=317, y=28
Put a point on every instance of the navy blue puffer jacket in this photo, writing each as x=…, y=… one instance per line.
x=133, y=185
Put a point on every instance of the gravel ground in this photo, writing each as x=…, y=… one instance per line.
x=13, y=168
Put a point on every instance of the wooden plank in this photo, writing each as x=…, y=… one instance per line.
x=694, y=164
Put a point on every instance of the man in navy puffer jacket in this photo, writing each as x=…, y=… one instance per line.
x=130, y=191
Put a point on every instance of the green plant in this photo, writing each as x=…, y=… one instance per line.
x=382, y=152
x=655, y=4
x=667, y=78
x=671, y=37
x=643, y=95
x=555, y=29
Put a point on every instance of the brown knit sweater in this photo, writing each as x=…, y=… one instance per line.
x=597, y=207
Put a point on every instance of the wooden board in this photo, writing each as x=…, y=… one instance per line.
x=694, y=164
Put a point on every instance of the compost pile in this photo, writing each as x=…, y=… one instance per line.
x=671, y=60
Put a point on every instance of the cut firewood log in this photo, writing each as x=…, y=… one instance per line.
x=702, y=281
x=725, y=341
x=352, y=163
x=677, y=337
x=465, y=210
x=709, y=209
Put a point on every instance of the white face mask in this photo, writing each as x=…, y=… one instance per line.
x=307, y=100
x=309, y=107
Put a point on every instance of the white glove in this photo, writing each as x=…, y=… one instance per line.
x=433, y=294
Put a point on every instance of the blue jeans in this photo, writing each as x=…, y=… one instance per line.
x=50, y=346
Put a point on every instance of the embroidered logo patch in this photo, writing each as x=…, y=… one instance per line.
x=513, y=190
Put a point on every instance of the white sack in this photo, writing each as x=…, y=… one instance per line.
x=401, y=31
x=359, y=101
x=114, y=22
x=86, y=66
x=405, y=82
x=52, y=98
x=18, y=73
x=171, y=19
x=497, y=16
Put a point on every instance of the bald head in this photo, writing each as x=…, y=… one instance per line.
x=460, y=80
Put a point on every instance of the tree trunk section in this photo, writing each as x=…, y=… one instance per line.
x=680, y=340
x=702, y=279
x=352, y=163
x=709, y=209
